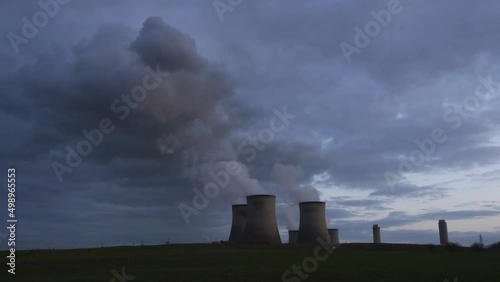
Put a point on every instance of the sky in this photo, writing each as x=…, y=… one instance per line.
x=144, y=121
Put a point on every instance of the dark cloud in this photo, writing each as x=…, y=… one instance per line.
x=354, y=121
x=159, y=43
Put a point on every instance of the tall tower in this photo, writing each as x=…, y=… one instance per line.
x=312, y=223
x=443, y=232
x=376, y=234
x=239, y=223
x=261, y=224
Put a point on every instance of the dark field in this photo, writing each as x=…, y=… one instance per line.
x=219, y=262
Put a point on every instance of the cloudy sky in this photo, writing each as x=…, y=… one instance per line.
x=116, y=116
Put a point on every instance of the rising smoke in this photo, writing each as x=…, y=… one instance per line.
x=191, y=106
x=287, y=177
x=186, y=125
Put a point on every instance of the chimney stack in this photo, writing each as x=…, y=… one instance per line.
x=443, y=232
x=376, y=234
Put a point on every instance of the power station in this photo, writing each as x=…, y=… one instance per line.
x=255, y=222
x=312, y=223
x=261, y=226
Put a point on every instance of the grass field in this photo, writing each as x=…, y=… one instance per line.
x=219, y=262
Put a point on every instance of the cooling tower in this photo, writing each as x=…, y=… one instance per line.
x=334, y=236
x=376, y=234
x=261, y=220
x=292, y=236
x=312, y=223
x=443, y=232
x=239, y=223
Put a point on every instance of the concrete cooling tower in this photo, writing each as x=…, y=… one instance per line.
x=292, y=236
x=443, y=232
x=261, y=220
x=334, y=236
x=376, y=234
x=312, y=223
x=239, y=223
